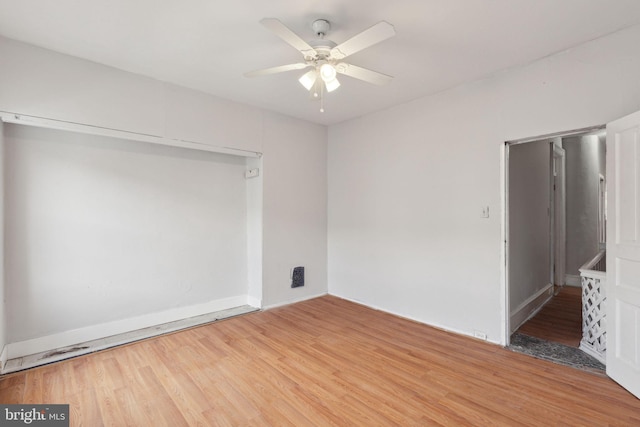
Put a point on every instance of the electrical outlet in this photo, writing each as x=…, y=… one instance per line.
x=485, y=212
x=480, y=335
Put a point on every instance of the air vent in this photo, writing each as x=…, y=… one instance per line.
x=297, y=277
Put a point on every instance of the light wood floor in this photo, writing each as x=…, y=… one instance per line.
x=321, y=362
x=560, y=320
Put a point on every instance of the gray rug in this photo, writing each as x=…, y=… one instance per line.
x=554, y=352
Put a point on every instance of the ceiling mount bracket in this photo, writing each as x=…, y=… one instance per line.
x=321, y=27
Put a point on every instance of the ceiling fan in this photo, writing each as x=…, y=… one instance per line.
x=325, y=57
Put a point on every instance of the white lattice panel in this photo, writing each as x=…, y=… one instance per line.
x=594, y=322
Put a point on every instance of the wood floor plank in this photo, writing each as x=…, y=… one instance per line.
x=13, y=394
x=88, y=411
x=160, y=407
x=33, y=387
x=129, y=407
x=560, y=320
x=183, y=391
x=327, y=362
x=110, y=410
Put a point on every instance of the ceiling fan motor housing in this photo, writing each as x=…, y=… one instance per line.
x=322, y=47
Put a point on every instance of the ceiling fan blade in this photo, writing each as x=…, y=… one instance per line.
x=375, y=34
x=364, y=74
x=282, y=31
x=274, y=70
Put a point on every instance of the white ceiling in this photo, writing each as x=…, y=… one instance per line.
x=209, y=44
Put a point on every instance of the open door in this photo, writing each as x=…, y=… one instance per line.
x=623, y=252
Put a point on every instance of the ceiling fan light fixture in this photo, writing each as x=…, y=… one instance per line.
x=308, y=79
x=332, y=84
x=327, y=72
x=325, y=56
x=318, y=89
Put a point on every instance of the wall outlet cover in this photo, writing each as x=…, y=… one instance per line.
x=480, y=335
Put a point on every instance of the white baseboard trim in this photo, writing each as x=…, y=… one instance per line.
x=4, y=356
x=572, y=280
x=293, y=301
x=530, y=307
x=254, y=302
x=488, y=339
x=103, y=330
x=602, y=358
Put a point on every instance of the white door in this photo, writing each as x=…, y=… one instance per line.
x=623, y=252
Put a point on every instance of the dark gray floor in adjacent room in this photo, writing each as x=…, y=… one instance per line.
x=554, y=352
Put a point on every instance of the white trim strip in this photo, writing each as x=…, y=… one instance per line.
x=530, y=307
x=94, y=332
x=87, y=347
x=291, y=301
x=42, y=122
x=572, y=280
x=4, y=357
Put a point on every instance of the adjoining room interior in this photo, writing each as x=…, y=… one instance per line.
x=290, y=213
x=557, y=226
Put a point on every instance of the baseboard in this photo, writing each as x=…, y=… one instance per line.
x=602, y=358
x=293, y=301
x=103, y=330
x=572, y=280
x=488, y=339
x=4, y=356
x=254, y=302
x=530, y=307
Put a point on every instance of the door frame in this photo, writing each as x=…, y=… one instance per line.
x=506, y=329
x=558, y=216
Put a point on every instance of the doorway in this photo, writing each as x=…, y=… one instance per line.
x=553, y=214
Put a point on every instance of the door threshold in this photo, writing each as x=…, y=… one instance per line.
x=557, y=353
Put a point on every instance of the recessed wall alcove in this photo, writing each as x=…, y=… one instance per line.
x=105, y=235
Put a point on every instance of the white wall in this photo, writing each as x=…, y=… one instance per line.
x=406, y=185
x=42, y=83
x=102, y=229
x=529, y=228
x=585, y=162
x=295, y=207
x=254, y=232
